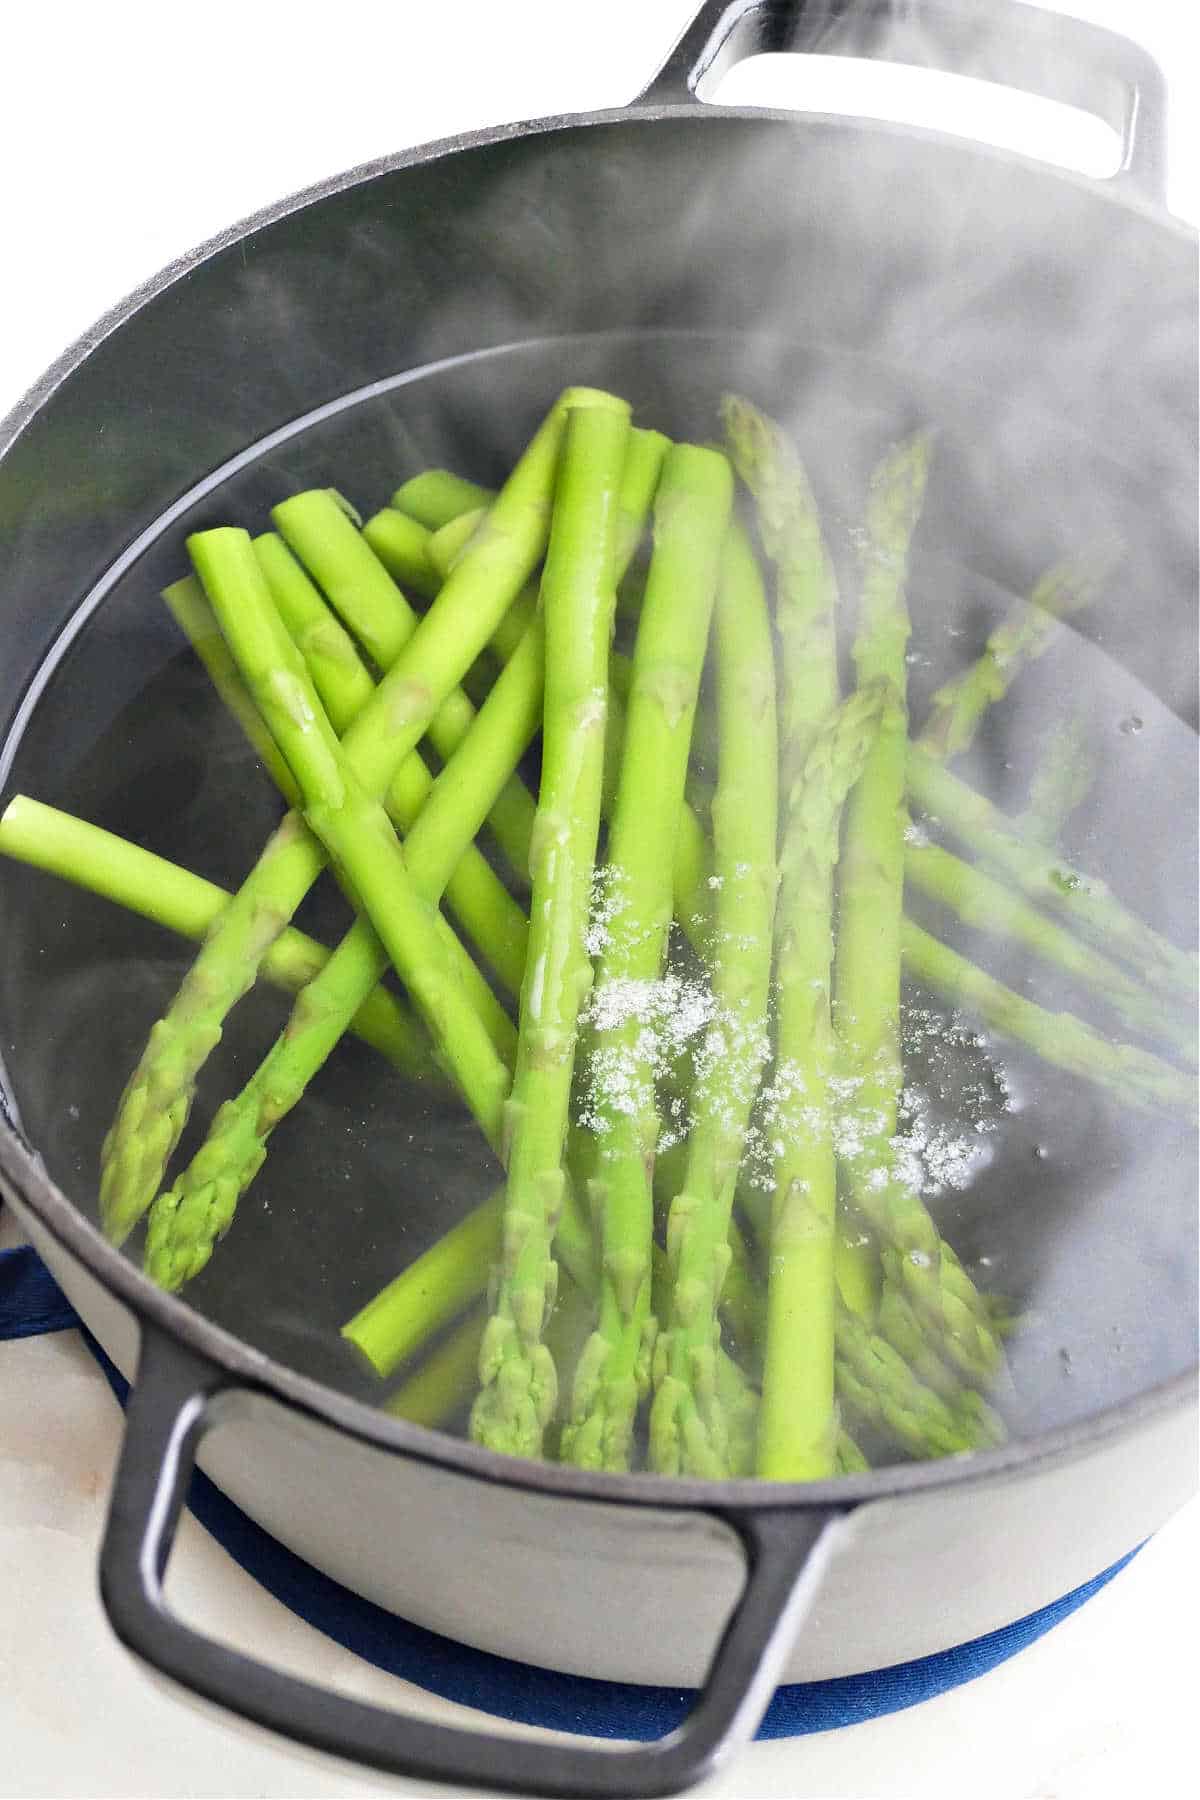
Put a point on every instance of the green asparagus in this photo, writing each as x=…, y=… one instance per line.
x=1133, y=1075
x=194, y=617
x=518, y=1395
x=363, y=593
x=157, y=1097
x=476, y=895
x=688, y=1429
x=1083, y=900
x=797, y=1428
x=988, y=905
x=350, y=823
x=690, y=515
x=179, y=901
x=867, y=961
x=1025, y=634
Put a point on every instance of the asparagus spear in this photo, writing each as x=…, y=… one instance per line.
x=1024, y=634
x=690, y=516
x=518, y=1395
x=1048, y=880
x=364, y=594
x=451, y=1278
x=806, y=603
x=867, y=961
x=402, y=546
x=987, y=905
x=351, y=824
x=690, y=867
x=476, y=895
x=797, y=1429
x=436, y=496
x=195, y=619
x=174, y=898
x=187, y=1220
x=905, y=1393
x=445, y=1381
x=807, y=598
x=1132, y=1075
x=157, y=1097
x=689, y=1433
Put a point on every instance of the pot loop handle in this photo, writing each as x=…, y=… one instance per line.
x=179, y=1396
x=1005, y=41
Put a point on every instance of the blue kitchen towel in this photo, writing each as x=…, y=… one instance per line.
x=31, y=1303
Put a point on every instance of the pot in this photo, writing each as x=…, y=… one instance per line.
x=642, y=245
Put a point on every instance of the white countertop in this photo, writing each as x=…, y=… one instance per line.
x=136, y=133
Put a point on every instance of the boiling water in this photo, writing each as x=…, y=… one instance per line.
x=1075, y=1208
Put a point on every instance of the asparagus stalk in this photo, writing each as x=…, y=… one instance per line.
x=1024, y=634
x=987, y=905
x=689, y=1433
x=642, y=468
x=797, y=1429
x=807, y=599
x=906, y=1394
x=867, y=961
x=194, y=617
x=174, y=898
x=402, y=546
x=518, y=1394
x=436, y=496
x=445, y=1381
x=351, y=824
x=1133, y=1075
x=1050, y=881
x=798, y=1424
x=187, y=1220
x=155, y=1103
x=806, y=603
x=691, y=513
x=365, y=596
x=476, y=895
x=875, y=1382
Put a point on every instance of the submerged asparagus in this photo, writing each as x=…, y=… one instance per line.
x=194, y=616
x=869, y=921
x=475, y=893
x=689, y=1432
x=350, y=822
x=797, y=1432
x=643, y=464
x=174, y=898
x=518, y=1394
x=377, y=613
x=1084, y=901
x=156, y=1100
x=690, y=516
x=1132, y=1075
x=1025, y=634
x=986, y=904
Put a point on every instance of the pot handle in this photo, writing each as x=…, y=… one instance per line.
x=179, y=1396
x=1005, y=41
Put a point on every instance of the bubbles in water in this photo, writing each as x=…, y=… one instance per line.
x=1131, y=725
x=1040, y=1152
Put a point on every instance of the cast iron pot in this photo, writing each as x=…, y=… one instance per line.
x=967, y=277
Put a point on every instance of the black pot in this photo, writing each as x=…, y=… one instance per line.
x=1047, y=324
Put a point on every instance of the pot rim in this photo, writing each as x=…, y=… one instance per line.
x=235, y=1357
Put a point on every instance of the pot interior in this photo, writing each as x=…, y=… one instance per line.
x=1076, y=1209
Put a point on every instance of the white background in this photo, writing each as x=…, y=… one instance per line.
x=128, y=133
